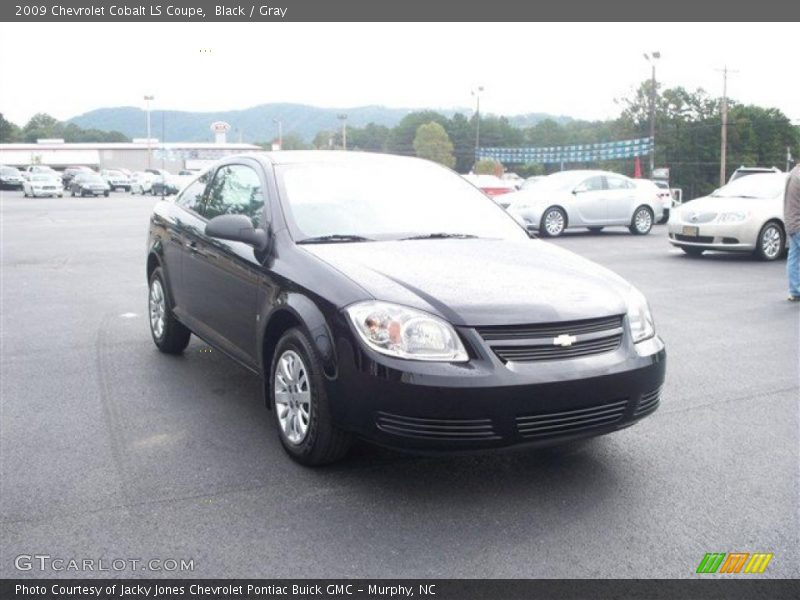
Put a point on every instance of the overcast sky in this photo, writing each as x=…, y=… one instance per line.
x=568, y=69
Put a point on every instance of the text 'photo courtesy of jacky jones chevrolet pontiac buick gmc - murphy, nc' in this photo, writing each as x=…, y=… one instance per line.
x=386, y=298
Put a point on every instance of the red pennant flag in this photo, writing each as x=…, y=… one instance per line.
x=637, y=168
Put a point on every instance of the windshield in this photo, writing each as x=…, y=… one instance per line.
x=7, y=171
x=565, y=180
x=367, y=197
x=41, y=178
x=767, y=185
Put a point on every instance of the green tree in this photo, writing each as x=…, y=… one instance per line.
x=433, y=143
x=42, y=125
x=9, y=132
x=401, y=138
x=487, y=166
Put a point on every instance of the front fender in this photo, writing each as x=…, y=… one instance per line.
x=294, y=306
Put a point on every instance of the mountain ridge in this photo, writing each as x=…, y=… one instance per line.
x=257, y=123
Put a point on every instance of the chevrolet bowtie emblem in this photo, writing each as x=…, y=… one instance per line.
x=564, y=340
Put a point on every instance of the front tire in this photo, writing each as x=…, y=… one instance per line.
x=300, y=403
x=771, y=242
x=554, y=221
x=642, y=221
x=170, y=335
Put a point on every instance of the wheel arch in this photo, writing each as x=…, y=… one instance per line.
x=295, y=310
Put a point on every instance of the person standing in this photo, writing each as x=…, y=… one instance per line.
x=791, y=216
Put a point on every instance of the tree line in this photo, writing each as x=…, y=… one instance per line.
x=44, y=126
x=687, y=136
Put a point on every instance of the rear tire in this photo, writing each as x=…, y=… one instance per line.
x=300, y=403
x=771, y=242
x=642, y=221
x=693, y=251
x=170, y=335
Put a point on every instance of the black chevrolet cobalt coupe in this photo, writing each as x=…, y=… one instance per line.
x=386, y=298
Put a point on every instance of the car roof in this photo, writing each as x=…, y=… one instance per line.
x=288, y=157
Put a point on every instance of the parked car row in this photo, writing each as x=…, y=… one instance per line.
x=157, y=182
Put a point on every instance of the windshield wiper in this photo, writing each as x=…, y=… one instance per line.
x=440, y=236
x=335, y=237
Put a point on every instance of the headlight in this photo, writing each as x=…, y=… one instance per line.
x=639, y=317
x=732, y=217
x=405, y=332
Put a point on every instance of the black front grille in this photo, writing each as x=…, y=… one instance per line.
x=507, y=332
x=571, y=421
x=700, y=239
x=455, y=430
x=576, y=350
x=648, y=403
x=550, y=341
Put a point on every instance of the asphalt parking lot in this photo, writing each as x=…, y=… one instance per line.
x=109, y=449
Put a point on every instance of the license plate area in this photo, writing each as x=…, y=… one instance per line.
x=690, y=231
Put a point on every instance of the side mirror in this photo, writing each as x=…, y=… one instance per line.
x=237, y=228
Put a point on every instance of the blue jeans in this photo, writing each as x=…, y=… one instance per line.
x=793, y=264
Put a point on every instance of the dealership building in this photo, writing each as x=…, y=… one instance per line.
x=134, y=156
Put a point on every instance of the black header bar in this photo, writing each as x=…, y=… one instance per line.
x=388, y=10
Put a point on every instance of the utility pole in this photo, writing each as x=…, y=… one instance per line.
x=723, y=148
x=147, y=100
x=280, y=132
x=652, y=57
x=477, y=94
x=343, y=118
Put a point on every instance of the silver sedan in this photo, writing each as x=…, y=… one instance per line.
x=592, y=199
x=745, y=215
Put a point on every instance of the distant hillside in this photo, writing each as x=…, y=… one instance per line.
x=256, y=124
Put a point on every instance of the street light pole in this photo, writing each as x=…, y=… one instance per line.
x=477, y=94
x=652, y=57
x=147, y=100
x=723, y=148
x=343, y=118
x=280, y=132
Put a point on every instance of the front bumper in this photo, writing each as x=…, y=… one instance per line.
x=733, y=237
x=486, y=403
x=40, y=192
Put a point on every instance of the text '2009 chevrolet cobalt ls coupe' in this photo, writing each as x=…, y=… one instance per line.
x=386, y=298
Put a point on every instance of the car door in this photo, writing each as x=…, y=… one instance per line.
x=221, y=277
x=589, y=205
x=621, y=196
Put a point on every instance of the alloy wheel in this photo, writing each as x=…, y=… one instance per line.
x=292, y=397
x=643, y=221
x=554, y=222
x=158, y=308
x=771, y=242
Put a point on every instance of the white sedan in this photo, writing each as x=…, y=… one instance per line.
x=745, y=215
x=591, y=199
x=141, y=182
x=38, y=185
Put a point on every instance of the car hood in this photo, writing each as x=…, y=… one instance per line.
x=480, y=282
x=709, y=204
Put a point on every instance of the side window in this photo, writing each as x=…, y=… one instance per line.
x=592, y=184
x=235, y=190
x=617, y=183
x=192, y=197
